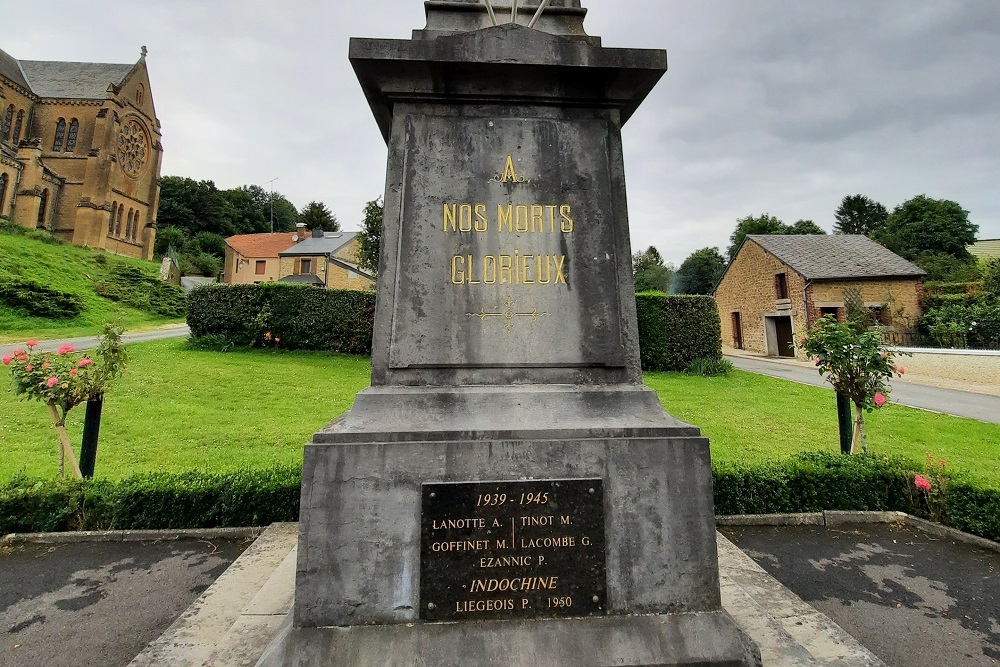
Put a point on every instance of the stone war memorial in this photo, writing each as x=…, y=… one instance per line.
x=507, y=492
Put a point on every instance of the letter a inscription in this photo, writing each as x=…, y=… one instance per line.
x=509, y=174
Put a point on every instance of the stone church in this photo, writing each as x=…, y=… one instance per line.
x=80, y=152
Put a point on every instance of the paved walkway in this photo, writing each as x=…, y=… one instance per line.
x=982, y=407
x=90, y=342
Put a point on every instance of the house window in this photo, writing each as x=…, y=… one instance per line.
x=306, y=267
x=832, y=311
x=781, y=285
x=17, y=126
x=3, y=191
x=74, y=129
x=881, y=315
x=260, y=267
x=43, y=204
x=7, y=118
x=57, y=144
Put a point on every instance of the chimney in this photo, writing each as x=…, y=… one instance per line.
x=301, y=232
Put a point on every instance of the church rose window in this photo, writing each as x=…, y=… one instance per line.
x=60, y=135
x=133, y=148
x=74, y=129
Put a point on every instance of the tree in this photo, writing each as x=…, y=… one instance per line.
x=700, y=272
x=316, y=215
x=370, y=236
x=855, y=363
x=806, y=227
x=924, y=225
x=63, y=380
x=650, y=273
x=857, y=214
x=763, y=224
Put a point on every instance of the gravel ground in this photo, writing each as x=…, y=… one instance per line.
x=913, y=599
x=99, y=603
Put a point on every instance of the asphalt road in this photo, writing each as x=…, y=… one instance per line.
x=982, y=407
x=912, y=599
x=99, y=603
x=90, y=342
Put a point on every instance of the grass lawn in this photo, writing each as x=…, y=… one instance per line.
x=67, y=269
x=178, y=409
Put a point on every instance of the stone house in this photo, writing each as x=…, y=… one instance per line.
x=253, y=258
x=777, y=286
x=80, y=152
x=325, y=259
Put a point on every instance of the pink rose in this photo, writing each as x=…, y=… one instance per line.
x=922, y=482
x=86, y=361
x=277, y=340
x=816, y=361
x=6, y=360
x=880, y=399
x=901, y=370
x=802, y=341
x=73, y=372
x=29, y=368
x=32, y=343
x=51, y=382
x=267, y=335
x=67, y=349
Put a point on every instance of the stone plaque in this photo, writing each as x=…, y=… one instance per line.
x=507, y=249
x=501, y=550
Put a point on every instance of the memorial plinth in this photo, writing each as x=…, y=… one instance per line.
x=507, y=492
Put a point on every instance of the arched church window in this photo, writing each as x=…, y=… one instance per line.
x=60, y=135
x=3, y=191
x=74, y=129
x=128, y=225
x=118, y=222
x=8, y=117
x=111, y=220
x=43, y=204
x=17, y=125
x=135, y=227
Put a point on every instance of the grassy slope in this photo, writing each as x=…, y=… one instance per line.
x=178, y=409
x=68, y=269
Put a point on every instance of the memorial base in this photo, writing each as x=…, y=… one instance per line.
x=636, y=641
x=358, y=588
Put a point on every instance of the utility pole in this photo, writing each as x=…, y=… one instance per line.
x=271, y=183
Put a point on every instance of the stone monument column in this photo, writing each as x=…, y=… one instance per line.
x=507, y=492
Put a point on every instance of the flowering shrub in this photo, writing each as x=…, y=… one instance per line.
x=932, y=487
x=856, y=364
x=62, y=379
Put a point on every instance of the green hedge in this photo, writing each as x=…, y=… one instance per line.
x=673, y=330
x=302, y=317
x=810, y=482
x=676, y=330
x=38, y=300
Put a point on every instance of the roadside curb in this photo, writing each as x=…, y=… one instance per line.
x=841, y=518
x=131, y=536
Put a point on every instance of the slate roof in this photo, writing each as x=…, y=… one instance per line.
x=836, y=256
x=330, y=243
x=82, y=81
x=10, y=69
x=303, y=279
x=261, y=245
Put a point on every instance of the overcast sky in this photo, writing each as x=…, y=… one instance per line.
x=776, y=106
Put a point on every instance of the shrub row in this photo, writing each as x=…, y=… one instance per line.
x=302, y=317
x=39, y=301
x=811, y=482
x=129, y=285
x=674, y=331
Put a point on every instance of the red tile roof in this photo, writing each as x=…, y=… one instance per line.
x=261, y=245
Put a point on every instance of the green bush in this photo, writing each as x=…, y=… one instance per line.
x=39, y=301
x=206, y=264
x=131, y=286
x=710, y=367
x=303, y=317
x=676, y=330
x=810, y=482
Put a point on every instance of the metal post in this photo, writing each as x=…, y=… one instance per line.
x=91, y=432
x=513, y=11
x=489, y=10
x=538, y=14
x=271, y=183
x=844, y=422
